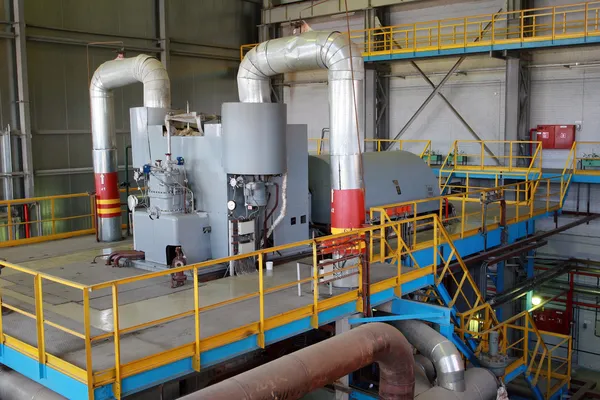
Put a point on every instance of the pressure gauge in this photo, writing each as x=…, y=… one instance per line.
x=231, y=205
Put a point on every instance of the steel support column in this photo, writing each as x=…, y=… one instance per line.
x=377, y=88
x=516, y=115
x=23, y=93
x=163, y=34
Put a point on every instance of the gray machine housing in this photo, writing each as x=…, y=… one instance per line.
x=390, y=177
x=204, y=233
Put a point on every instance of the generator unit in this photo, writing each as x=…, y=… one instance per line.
x=215, y=190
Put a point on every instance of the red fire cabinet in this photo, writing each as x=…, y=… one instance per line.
x=554, y=136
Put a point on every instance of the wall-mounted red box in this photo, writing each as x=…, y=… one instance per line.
x=552, y=321
x=554, y=136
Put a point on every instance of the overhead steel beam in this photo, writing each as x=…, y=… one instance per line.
x=455, y=112
x=428, y=99
x=318, y=8
x=23, y=92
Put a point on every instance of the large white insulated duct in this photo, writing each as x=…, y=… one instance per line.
x=157, y=93
x=335, y=52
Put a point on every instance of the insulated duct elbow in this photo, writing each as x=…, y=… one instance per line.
x=294, y=375
x=343, y=60
x=481, y=384
x=443, y=354
x=157, y=93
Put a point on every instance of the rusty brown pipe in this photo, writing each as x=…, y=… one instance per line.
x=294, y=375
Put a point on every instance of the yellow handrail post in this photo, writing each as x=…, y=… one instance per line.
x=526, y=343
x=439, y=34
x=415, y=37
x=117, y=341
x=511, y=160
x=87, y=328
x=1, y=328
x=9, y=220
x=315, y=316
x=553, y=23
x=261, y=292
x=196, y=359
x=435, y=245
x=585, y=20
x=52, y=213
x=462, y=217
x=465, y=39
x=522, y=25
x=482, y=154
x=493, y=27
x=549, y=376
x=92, y=212
x=39, y=322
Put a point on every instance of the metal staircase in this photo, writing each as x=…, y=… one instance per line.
x=543, y=367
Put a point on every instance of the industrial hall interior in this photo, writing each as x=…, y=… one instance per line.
x=299, y=199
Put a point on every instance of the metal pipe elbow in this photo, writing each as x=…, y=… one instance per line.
x=442, y=353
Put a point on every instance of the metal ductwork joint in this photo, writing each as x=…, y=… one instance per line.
x=294, y=375
x=157, y=93
x=343, y=59
x=443, y=354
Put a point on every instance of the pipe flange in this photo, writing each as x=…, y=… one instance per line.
x=496, y=364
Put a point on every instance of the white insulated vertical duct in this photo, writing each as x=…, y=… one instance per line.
x=343, y=60
x=157, y=93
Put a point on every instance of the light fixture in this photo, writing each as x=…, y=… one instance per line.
x=536, y=300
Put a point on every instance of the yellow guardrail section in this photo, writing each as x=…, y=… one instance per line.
x=422, y=148
x=369, y=238
x=49, y=218
x=524, y=200
x=569, y=21
x=516, y=159
x=540, y=360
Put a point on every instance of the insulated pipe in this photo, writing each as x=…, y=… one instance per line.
x=14, y=386
x=443, y=354
x=294, y=375
x=157, y=93
x=481, y=384
x=335, y=52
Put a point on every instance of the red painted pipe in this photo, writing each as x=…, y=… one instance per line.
x=294, y=375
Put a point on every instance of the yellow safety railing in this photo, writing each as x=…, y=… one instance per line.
x=516, y=159
x=422, y=148
x=361, y=248
x=41, y=219
x=468, y=215
x=569, y=21
x=521, y=340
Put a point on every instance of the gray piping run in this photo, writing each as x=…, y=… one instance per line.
x=308, y=51
x=111, y=75
x=443, y=354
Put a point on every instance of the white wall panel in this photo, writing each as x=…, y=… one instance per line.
x=561, y=95
x=411, y=13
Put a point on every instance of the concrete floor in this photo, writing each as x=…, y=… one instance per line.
x=63, y=306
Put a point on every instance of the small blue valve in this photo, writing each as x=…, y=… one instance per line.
x=180, y=161
x=146, y=168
